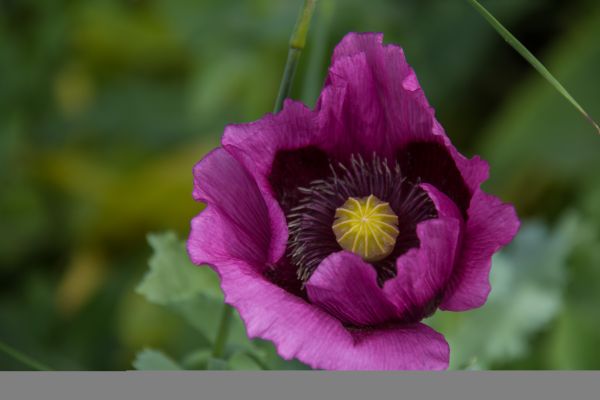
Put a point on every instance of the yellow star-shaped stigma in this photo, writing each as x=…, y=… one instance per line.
x=366, y=226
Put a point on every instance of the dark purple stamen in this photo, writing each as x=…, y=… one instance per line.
x=311, y=237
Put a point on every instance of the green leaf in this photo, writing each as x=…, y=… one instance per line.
x=197, y=359
x=531, y=59
x=154, y=360
x=527, y=288
x=216, y=364
x=172, y=277
x=190, y=291
x=573, y=343
x=268, y=355
x=204, y=314
x=193, y=293
x=242, y=361
x=204, y=360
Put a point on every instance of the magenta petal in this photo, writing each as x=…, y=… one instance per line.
x=491, y=225
x=424, y=272
x=445, y=207
x=372, y=103
x=235, y=222
x=406, y=347
x=372, y=100
x=208, y=242
x=255, y=145
x=303, y=331
x=474, y=171
x=346, y=287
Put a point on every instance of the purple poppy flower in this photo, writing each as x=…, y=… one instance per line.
x=335, y=231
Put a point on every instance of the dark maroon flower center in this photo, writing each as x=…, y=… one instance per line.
x=310, y=186
x=311, y=237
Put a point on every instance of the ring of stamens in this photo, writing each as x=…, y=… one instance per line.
x=367, y=227
x=311, y=234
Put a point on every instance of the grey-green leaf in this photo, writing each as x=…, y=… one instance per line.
x=172, y=276
x=243, y=361
x=155, y=360
x=527, y=288
x=204, y=314
x=190, y=291
x=217, y=364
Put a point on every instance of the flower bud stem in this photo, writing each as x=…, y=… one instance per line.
x=297, y=42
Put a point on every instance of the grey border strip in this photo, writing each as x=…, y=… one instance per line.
x=299, y=385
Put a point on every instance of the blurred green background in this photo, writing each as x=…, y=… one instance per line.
x=105, y=105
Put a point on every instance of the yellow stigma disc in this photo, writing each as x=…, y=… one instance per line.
x=366, y=226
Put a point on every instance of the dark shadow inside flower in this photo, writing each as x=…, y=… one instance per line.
x=310, y=186
x=294, y=169
x=430, y=162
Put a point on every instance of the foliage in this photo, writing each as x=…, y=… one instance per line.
x=193, y=292
x=528, y=280
x=154, y=360
x=98, y=136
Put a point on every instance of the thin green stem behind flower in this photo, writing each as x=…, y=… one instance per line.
x=297, y=43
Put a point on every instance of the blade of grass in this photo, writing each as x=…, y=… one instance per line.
x=23, y=358
x=297, y=42
x=531, y=59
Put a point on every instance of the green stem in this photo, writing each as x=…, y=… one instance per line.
x=223, y=332
x=297, y=43
x=313, y=76
x=531, y=59
x=23, y=358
